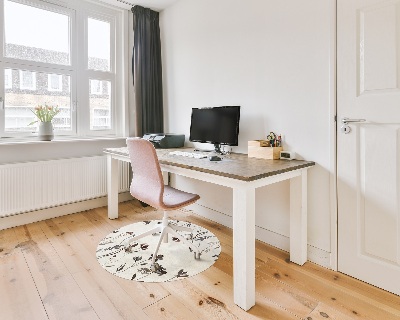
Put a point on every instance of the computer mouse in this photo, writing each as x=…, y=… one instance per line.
x=214, y=158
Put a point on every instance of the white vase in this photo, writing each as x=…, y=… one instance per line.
x=45, y=131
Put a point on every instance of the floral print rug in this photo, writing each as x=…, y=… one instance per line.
x=175, y=260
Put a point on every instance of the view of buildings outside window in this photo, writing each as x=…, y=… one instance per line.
x=26, y=89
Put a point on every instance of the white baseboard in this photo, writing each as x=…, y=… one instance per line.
x=39, y=215
x=315, y=255
x=212, y=215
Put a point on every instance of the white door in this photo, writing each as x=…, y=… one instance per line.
x=368, y=84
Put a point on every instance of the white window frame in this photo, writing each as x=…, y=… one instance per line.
x=79, y=11
x=103, y=75
x=50, y=82
x=8, y=84
x=22, y=86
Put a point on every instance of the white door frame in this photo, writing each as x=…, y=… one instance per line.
x=333, y=134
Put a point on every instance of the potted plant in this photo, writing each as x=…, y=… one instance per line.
x=45, y=115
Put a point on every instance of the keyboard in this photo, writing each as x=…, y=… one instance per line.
x=188, y=154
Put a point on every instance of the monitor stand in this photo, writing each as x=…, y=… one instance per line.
x=217, y=148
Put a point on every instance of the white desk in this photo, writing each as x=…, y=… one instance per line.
x=243, y=175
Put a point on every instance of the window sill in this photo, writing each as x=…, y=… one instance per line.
x=60, y=139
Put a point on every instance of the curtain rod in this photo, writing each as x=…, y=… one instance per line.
x=127, y=3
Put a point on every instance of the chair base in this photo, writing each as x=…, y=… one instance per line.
x=164, y=229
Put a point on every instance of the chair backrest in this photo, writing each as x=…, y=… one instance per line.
x=147, y=181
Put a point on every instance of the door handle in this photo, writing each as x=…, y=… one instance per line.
x=345, y=128
x=347, y=120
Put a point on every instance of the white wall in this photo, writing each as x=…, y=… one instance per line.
x=273, y=58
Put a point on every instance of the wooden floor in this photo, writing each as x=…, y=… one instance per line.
x=49, y=271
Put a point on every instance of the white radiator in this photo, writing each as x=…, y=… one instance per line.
x=38, y=185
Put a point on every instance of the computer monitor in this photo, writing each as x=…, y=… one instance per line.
x=218, y=125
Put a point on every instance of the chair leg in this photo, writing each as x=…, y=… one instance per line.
x=165, y=224
x=185, y=241
x=142, y=235
x=184, y=229
x=163, y=232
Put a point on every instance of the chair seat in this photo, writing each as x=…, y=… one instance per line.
x=174, y=198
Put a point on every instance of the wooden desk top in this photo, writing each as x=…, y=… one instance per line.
x=235, y=165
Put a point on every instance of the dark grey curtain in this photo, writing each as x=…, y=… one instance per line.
x=147, y=71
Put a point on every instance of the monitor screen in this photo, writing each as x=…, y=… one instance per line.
x=219, y=125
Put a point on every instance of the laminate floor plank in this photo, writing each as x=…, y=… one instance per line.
x=107, y=297
x=171, y=308
x=8, y=242
x=292, y=299
x=18, y=294
x=323, y=312
x=68, y=247
x=219, y=286
x=202, y=304
x=59, y=293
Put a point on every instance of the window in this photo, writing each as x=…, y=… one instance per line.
x=54, y=82
x=7, y=79
x=27, y=80
x=71, y=64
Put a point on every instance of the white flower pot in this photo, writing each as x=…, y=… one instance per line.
x=45, y=131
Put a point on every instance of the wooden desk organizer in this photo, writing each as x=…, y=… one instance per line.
x=258, y=149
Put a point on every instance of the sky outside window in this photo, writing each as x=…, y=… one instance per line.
x=98, y=45
x=46, y=35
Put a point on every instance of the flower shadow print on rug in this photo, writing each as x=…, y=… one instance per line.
x=174, y=260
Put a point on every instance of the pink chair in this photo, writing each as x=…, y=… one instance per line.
x=148, y=186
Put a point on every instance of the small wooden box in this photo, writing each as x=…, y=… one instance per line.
x=255, y=150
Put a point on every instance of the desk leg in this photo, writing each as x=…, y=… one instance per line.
x=244, y=247
x=298, y=218
x=112, y=187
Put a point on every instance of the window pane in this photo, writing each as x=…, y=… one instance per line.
x=54, y=82
x=100, y=105
x=19, y=101
x=27, y=80
x=98, y=45
x=7, y=79
x=45, y=37
x=96, y=87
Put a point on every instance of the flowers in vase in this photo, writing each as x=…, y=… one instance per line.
x=45, y=113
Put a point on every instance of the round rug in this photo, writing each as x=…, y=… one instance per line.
x=175, y=260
